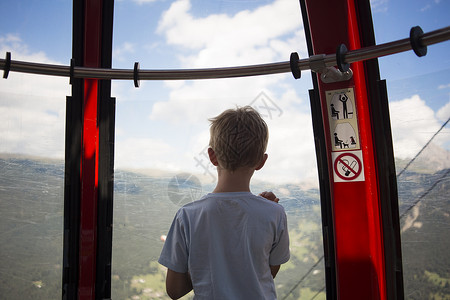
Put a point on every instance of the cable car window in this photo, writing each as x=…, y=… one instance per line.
x=418, y=91
x=32, y=114
x=162, y=131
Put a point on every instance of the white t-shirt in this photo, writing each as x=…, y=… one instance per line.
x=227, y=241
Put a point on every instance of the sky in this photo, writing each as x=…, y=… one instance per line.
x=163, y=125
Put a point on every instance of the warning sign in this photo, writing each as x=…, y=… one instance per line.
x=348, y=166
x=342, y=118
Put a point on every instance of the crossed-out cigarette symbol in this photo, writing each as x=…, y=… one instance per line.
x=347, y=166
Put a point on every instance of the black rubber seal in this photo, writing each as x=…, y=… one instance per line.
x=340, y=53
x=415, y=38
x=136, y=75
x=7, y=65
x=72, y=67
x=293, y=62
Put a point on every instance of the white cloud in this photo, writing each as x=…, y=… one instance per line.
x=120, y=52
x=140, y=2
x=198, y=100
x=425, y=8
x=413, y=124
x=143, y=153
x=379, y=5
x=264, y=35
x=32, y=131
x=444, y=112
x=267, y=34
x=32, y=107
x=444, y=86
x=244, y=38
x=291, y=144
x=430, y=5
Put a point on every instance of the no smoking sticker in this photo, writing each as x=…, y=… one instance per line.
x=348, y=166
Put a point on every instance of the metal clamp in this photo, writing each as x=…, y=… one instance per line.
x=331, y=74
x=317, y=63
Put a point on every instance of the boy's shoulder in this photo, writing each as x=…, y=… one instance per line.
x=242, y=198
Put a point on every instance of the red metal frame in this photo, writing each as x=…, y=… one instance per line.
x=89, y=152
x=358, y=234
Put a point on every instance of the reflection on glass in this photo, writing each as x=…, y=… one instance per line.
x=418, y=90
x=422, y=143
x=31, y=186
x=32, y=114
x=162, y=131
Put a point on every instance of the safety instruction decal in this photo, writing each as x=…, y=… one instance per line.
x=343, y=121
x=348, y=166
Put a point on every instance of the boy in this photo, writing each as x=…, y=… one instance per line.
x=230, y=243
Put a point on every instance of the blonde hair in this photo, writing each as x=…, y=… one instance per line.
x=239, y=138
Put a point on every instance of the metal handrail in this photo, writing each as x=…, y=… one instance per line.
x=329, y=60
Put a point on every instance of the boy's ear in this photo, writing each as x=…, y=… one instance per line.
x=263, y=161
x=212, y=157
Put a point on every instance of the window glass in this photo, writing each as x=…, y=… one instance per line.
x=32, y=114
x=162, y=130
x=418, y=91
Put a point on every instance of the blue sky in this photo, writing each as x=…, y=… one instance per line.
x=163, y=125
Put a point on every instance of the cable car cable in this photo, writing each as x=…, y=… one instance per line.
x=317, y=294
x=425, y=193
x=435, y=183
x=423, y=148
x=304, y=277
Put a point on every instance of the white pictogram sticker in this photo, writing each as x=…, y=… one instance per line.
x=343, y=121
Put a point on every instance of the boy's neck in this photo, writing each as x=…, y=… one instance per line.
x=233, y=181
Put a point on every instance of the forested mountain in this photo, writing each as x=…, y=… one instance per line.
x=31, y=232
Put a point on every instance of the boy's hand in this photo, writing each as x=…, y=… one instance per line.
x=270, y=196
